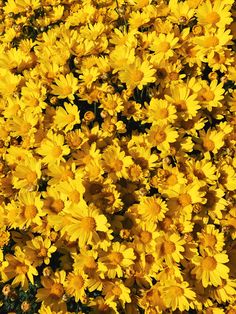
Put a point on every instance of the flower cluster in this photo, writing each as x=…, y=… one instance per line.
x=118, y=156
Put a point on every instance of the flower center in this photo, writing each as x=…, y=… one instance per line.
x=209, y=263
x=212, y=18
x=88, y=223
x=160, y=137
x=163, y=113
x=181, y=105
x=90, y=262
x=56, y=151
x=208, y=95
x=42, y=252
x=21, y=269
x=209, y=240
x=163, y=47
x=116, y=291
x=184, y=199
x=176, y=291
x=171, y=180
x=168, y=247
x=78, y=282
x=66, y=90
x=74, y=196
x=31, y=177
x=137, y=76
x=57, y=205
x=30, y=211
x=116, y=258
x=57, y=290
x=145, y=236
x=208, y=144
x=117, y=165
x=210, y=41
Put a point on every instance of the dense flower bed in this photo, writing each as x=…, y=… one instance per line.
x=118, y=164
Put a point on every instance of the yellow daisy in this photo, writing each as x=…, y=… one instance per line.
x=152, y=208
x=210, y=269
x=65, y=87
x=75, y=285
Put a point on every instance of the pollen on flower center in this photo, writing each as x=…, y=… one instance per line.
x=209, y=263
x=66, y=90
x=21, y=269
x=42, y=252
x=30, y=211
x=184, y=199
x=137, y=75
x=208, y=95
x=57, y=290
x=211, y=41
x=56, y=151
x=208, y=144
x=78, y=281
x=212, y=18
x=164, y=46
x=31, y=176
x=163, y=113
x=88, y=223
x=209, y=240
x=74, y=196
x=168, y=247
x=145, y=236
x=176, y=291
x=90, y=262
x=160, y=137
x=116, y=257
x=116, y=290
x=181, y=105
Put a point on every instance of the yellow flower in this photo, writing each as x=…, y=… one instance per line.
x=214, y=14
x=66, y=86
x=178, y=295
x=160, y=136
x=159, y=111
x=137, y=74
x=89, y=76
x=19, y=268
x=52, y=292
x=163, y=46
x=116, y=290
x=40, y=250
x=180, y=12
x=211, y=240
x=75, y=285
x=66, y=118
x=212, y=140
x=118, y=257
x=83, y=225
x=211, y=96
x=152, y=208
x=169, y=248
x=52, y=148
x=210, y=269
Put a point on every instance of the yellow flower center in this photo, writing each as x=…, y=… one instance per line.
x=78, y=282
x=30, y=211
x=212, y=18
x=70, y=118
x=176, y=291
x=116, y=291
x=145, y=236
x=117, y=165
x=208, y=144
x=209, y=263
x=88, y=223
x=21, y=269
x=181, y=105
x=74, y=196
x=57, y=205
x=209, y=240
x=116, y=258
x=163, y=46
x=168, y=247
x=172, y=180
x=137, y=76
x=66, y=90
x=184, y=199
x=160, y=136
x=208, y=95
x=31, y=176
x=163, y=113
x=174, y=76
x=56, y=151
x=42, y=252
x=57, y=290
x=210, y=41
x=90, y=262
